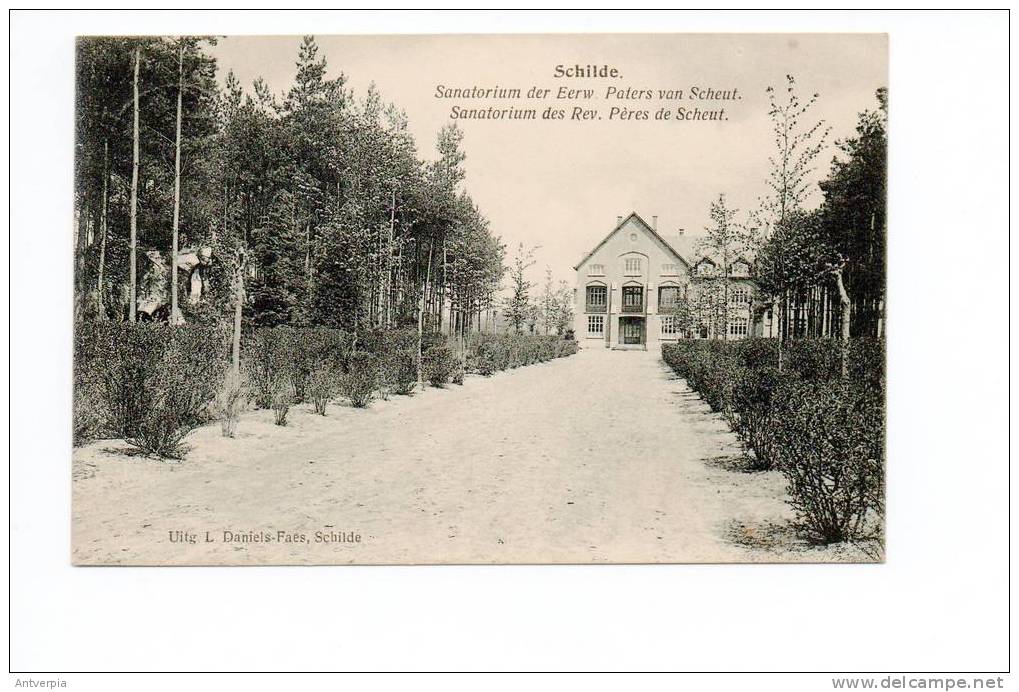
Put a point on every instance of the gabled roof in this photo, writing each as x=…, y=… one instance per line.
x=634, y=215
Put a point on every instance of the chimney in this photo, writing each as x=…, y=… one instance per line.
x=654, y=222
x=619, y=220
x=681, y=231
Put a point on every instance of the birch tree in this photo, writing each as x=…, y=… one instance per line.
x=797, y=144
x=518, y=309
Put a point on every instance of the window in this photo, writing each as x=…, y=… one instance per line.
x=739, y=269
x=738, y=326
x=669, y=327
x=596, y=270
x=633, y=298
x=595, y=325
x=668, y=297
x=596, y=298
x=633, y=237
x=739, y=296
x=704, y=268
x=669, y=270
x=632, y=265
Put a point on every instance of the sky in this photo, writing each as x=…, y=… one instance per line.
x=560, y=185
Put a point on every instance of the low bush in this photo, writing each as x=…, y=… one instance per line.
x=361, y=379
x=230, y=401
x=752, y=412
x=323, y=386
x=175, y=403
x=271, y=352
x=150, y=384
x=400, y=370
x=316, y=349
x=439, y=364
x=89, y=417
x=482, y=358
x=829, y=445
x=267, y=355
x=281, y=396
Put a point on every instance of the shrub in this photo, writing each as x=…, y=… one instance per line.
x=281, y=396
x=175, y=403
x=566, y=347
x=268, y=358
x=829, y=445
x=400, y=372
x=316, y=349
x=814, y=359
x=752, y=412
x=820, y=360
x=361, y=379
x=439, y=365
x=272, y=351
x=231, y=399
x=757, y=353
x=89, y=416
x=150, y=384
x=322, y=386
x=458, y=373
x=111, y=363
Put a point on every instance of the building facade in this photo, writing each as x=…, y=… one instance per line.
x=636, y=289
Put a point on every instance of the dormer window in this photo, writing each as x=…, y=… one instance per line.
x=632, y=265
x=739, y=269
x=596, y=270
x=705, y=268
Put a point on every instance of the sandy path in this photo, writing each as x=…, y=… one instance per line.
x=600, y=457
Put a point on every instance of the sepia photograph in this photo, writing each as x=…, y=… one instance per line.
x=462, y=343
x=406, y=300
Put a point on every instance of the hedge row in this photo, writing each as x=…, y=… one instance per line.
x=152, y=384
x=488, y=353
x=826, y=438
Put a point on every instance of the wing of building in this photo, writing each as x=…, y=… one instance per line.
x=637, y=288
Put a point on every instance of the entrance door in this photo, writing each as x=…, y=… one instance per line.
x=632, y=330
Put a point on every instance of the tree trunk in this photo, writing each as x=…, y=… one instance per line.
x=238, y=311
x=442, y=284
x=175, y=316
x=133, y=290
x=79, y=262
x=388, y=294
x=421, y=314
x=846, y=314
x=102, y=229
x=777, y=318
x=309, y=276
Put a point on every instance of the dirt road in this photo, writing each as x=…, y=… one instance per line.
x=599, y=457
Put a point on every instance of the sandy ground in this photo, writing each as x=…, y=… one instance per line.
x=601, y=457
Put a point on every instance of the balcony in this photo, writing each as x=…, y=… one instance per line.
x=596, y=309
x=639, y=307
